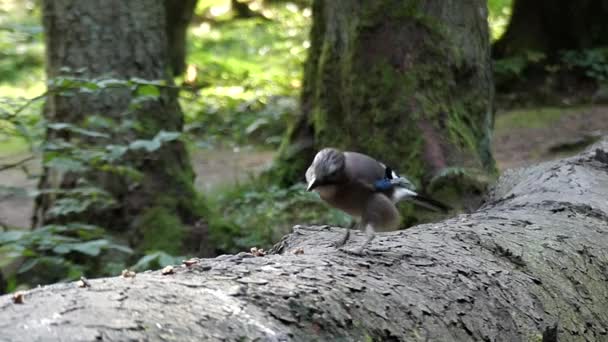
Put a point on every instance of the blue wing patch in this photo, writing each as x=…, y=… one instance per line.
x=383, y=184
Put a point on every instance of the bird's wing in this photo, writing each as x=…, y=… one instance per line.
x=368, y=170
x=362, y=168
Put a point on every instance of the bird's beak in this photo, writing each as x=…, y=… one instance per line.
x=312, y=184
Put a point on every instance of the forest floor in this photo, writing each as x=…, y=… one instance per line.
x=521, y=137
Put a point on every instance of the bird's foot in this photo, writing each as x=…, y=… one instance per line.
x=342, y=240
x=359, y=251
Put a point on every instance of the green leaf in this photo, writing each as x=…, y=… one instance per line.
x=92, y=248
x=62, y=249
x=148, y=145
x=165, y=259
x=115, y=152
x=58, y=126
x=11, y=236
x=89, y=87
x=65, y=206
x=145, y=262
x=120, y=248
x=138, y=81
x=100, y=121
x=66, y=164
x=148, y=90
x=164, y=136
x=28, y=265
x=112, y=83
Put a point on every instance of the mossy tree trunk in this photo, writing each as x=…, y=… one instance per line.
x=408, y=82
x=551, y=26
x=121, y=40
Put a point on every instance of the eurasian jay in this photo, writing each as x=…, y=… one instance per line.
x=363, y=188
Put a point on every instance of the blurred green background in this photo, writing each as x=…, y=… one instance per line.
x=239, y=93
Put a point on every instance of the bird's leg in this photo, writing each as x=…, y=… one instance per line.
x=345, y=237
x=371, y=234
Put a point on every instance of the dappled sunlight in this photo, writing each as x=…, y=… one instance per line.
x=498, y=18
x=244, y=69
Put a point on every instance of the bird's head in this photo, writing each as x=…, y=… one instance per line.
x=326, y=169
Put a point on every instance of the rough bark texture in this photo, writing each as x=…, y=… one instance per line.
x=551, y=26
x=408, y=82
x=530, y=265
x=179, y=13
x=122, y=40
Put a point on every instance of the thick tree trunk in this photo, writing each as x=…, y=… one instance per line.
x=530, y=265
x=408, y=82
x=179, y=13
x=530, y=54
x=551, y=26
x=121, y=40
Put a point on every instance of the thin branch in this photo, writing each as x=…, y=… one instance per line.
x=15, y=164
x=28, y=103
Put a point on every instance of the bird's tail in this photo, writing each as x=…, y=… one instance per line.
x=429, y=203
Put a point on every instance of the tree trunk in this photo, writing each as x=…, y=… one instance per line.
x=118, y=41
x=551, y=26
x=407, y=82
x=179, y=13
x=553, y=51
x=530, y=265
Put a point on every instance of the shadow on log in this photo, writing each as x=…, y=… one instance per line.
x=530, y=265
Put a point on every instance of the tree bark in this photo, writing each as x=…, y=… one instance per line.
x=179, y=13
x=530, y=265
x=122, y=40
x=408, y=82
x=552, y=26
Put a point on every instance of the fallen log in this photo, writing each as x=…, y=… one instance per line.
x=530, y=265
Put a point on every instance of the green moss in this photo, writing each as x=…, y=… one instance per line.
x=452, y=184
x=531, y=118
x=162, y=231
x=176, y=205
x=461, y=131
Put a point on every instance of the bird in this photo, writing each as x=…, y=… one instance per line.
x=364, y=188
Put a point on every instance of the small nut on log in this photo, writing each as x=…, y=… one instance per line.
x=167, y=270
x=18, y=297
x=257, y=252
x=298, y=251
x=128, y=274
x=83, y=282
x=190, y=262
